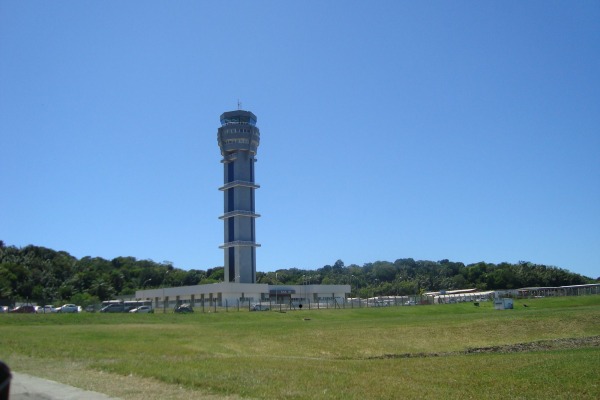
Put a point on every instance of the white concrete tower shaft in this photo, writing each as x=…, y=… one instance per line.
x=238, y=139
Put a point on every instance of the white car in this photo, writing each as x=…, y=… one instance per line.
x=46, y=310
x=142, y=309
x=68, y=308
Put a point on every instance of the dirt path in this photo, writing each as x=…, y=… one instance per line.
x=542, y=345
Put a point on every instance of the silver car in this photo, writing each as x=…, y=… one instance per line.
x=142, y=309
x=46, y=310
x=68, y=308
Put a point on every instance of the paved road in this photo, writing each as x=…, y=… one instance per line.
x=27, y=387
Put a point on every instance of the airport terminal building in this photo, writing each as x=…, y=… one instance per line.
x=230, y=294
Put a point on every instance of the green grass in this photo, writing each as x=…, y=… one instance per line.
x=378, y=353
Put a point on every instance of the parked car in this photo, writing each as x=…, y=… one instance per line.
x=113, y=308
x=142, y=309
x=3, y=309
x=23, y=310
x=47, y=309
x=260, y=307
x=184, y=309
x=68, y=308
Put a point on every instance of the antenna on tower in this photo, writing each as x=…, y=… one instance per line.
x=239, y=104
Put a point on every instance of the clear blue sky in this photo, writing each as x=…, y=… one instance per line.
x=466, y=130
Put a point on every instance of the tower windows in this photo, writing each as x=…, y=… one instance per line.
x=230, y=172
x=231, y=229
x=230, y=200
x=231, y=264
x=237, y=140
x=243, y=130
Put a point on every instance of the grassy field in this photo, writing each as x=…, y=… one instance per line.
x=549, y=349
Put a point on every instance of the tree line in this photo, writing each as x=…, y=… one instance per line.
x=407, y=277
x=46, y=276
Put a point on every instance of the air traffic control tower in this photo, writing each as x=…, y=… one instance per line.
x=238, y=139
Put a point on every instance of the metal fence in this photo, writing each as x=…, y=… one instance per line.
x=212, y=305
x=216, y=305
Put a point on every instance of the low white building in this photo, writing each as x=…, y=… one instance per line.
x=225, y=294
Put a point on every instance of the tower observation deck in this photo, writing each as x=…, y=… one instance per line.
x=238, y=139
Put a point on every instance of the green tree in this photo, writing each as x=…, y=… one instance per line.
x=215, y=274
x=102, y=289
x=384, y=271
x=84, y=299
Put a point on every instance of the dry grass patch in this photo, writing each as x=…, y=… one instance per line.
x=131, y=387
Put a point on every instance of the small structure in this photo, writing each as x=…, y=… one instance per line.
x=504, y=303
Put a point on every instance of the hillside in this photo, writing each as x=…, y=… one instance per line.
x=46, y=276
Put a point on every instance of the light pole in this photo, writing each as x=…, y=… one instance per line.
x=304, y=284
x=144, y=284
x=358, y=292
x=276, y=280
x=163, y=293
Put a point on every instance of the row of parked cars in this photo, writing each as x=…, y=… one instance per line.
x=72, y=308
x=31, y=309
x=121, y=308
x=110, y=308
